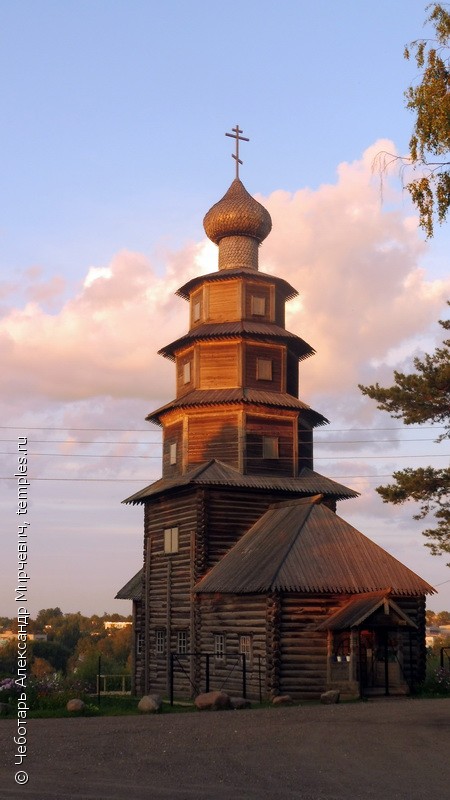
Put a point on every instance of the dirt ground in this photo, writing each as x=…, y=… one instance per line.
x=385, y=749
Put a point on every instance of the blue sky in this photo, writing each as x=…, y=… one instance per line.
x=113, y=121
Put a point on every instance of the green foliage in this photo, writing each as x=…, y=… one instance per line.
x=417, y=398
x=429, y=100
x=55, y=653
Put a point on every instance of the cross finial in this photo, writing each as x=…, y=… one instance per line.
x=235, y=135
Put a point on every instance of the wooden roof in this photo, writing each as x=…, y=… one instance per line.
x=133, y=589
x=216, y=473
x=359, y=608
x=210, y=331
x=242, y=272
x=216, y=397
x=302, y=546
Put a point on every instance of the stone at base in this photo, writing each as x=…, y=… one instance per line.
x=282, y=700
x=327, y=698
x=150, y=704
x=75, y=705
x=5, y=708
x=212, y=701
x=239, y=702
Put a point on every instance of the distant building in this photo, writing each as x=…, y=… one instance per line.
x=244, y=554
x=117, y=625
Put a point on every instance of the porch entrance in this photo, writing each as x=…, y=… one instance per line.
x=381, y=661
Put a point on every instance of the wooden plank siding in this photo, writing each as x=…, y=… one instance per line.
x=219, y=365
x=258, y=290
x=305, y=446
x=173, y=434
x=223, y=301
x=258, y=426
x=185, y=357
x=273, y=353
x=212, y=436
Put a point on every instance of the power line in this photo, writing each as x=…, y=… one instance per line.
x=249, y=458
x=146, y=430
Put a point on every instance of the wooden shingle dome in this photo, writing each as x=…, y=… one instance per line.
x=237, y=214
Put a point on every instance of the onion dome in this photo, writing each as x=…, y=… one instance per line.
x=237, y=214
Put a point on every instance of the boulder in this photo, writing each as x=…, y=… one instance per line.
x=328, y=698
x=282, y=700
x=150, y=704
x=239, y=702
x=212, y=701
x=75, y=705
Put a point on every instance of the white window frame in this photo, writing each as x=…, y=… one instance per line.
x=219, y=646
x=160, y=641
x=264, y=369
x=172, y=453
x=171, y=540
x=258, y=306
x=270, y=447
x=182, y=643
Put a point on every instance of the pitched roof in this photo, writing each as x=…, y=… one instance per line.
x=201, y=397
x=260, y=330
x=216, y=473
x=358, y=609
x=302, y=546
x=133, y=589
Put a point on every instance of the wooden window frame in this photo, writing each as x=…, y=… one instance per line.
x=187, y=372
x=182, y=643
x=219, y=646
x=172, y=453
x=246, y=647
x=171, y=541
x=140, y=641
x=264, y=369
x=258, y=302
x=270, y=447
x=196, y=310
x=160, y=641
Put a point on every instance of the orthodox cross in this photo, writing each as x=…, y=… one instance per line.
x=235, y=135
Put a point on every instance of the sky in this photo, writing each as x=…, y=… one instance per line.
x=113, y=149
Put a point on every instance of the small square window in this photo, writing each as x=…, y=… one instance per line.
x=270, y=447
x=171, y=540
x=258, y=306
x=187, y=372
x=197, y=311
x=173, y=453
x=219, y=646
x=263, y=369
x=182, y=642
x=160, y=641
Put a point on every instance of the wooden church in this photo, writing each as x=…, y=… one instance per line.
x=251, y=581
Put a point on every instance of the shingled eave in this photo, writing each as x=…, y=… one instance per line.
x=215, y=397
x=269, y=332
x=216, y=473
x=186, y=290
x=133, y=589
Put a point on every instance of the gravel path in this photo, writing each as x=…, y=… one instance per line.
x=393, y=749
